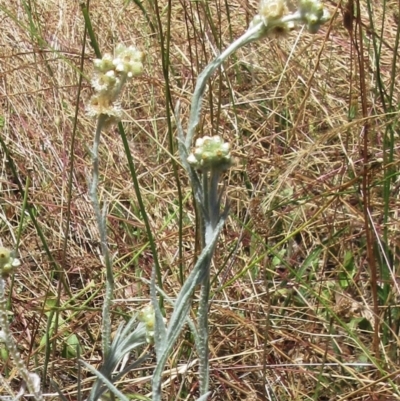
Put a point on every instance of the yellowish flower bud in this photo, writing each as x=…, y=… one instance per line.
x=8, y=263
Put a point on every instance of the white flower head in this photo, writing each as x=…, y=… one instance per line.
x=105, y=82
x=104, y=64
x=273, y=14
x=102, y=104
x=313, y=14
x=272, y=10
x=147, y=316
x=3, y=337
x=128, y=60
x=210, y=153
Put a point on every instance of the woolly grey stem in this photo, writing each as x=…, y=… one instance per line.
x=210, y=186
x=12, y=347
x=195, y=110
x=211, y=204
x=203, y=334
x=253, y=33
x=213, y=199
x=206, y=195
x=102, y=226
x=205, y=228
x=181, y=309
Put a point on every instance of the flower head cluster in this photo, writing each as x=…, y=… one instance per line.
x=278, y=19
x=128, y=60
x=211, y=153
x=110, y=76
x=272, y=13
x=8, y=262
x=313, y=14
x=147, y=316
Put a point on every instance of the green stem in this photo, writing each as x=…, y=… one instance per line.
x=142, y=207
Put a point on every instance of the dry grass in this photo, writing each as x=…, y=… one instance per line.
x=279, y=319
